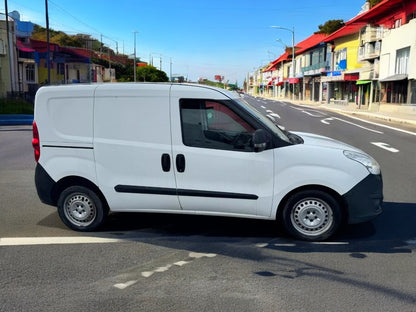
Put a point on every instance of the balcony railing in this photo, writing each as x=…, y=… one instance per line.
x=316, y=68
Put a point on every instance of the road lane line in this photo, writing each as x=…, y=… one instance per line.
x=325, y=121
x=22, y=241
x=382, y=125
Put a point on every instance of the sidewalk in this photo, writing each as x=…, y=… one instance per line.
x=388, y=113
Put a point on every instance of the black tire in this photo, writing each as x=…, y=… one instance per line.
x=312, y=215
x=81, y=209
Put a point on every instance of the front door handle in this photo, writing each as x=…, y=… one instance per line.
x=180, y=163
x=165, y=162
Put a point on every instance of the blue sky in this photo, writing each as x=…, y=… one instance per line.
x=202, y=38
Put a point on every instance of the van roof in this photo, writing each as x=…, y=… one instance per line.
x=130, y=85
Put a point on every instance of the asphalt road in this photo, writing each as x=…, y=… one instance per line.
x=145, y=262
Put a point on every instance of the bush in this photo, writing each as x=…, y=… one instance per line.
x=15, y=106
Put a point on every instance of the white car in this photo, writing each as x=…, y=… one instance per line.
x=191, y=149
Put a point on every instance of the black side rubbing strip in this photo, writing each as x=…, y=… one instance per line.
x=64, y=146
x=181, y=192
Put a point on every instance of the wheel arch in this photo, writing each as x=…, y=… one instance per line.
x=314, y=187
x=69, y=181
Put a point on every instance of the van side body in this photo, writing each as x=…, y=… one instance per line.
x=179, y=148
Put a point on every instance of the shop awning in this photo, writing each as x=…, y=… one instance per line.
x=397, y=77
x=361, y=82
x=293, y=80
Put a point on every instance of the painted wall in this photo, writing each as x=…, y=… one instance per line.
x=351, y=43
x=396, y=39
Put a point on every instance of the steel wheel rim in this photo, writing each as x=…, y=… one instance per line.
x=80, y=210
x=312, y=216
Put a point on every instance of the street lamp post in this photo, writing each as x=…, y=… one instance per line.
x=134, y=63
x=293, y=53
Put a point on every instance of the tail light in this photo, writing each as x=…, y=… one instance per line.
x=35, y=142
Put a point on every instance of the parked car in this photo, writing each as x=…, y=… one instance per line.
x=192, y=149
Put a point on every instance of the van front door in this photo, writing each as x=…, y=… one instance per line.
x=216, y=168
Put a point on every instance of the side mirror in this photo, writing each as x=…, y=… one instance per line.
x=260, y=140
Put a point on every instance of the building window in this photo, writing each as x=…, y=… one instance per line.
x=30, y=73
x=397, y=23
x=341, y=59
x=402, y=61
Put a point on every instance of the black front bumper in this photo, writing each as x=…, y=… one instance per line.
x=364, y=201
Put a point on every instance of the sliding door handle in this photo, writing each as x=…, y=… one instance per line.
x=180, y=163
x=165, y=162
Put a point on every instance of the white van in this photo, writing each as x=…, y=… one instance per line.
x=192, y=149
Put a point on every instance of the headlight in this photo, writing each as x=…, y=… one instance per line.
x=371, y=164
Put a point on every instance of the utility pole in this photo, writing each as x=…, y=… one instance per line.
x=170, y=73
x=48, y=57
x=293, y=55
x=135, y=64
x=9, y=47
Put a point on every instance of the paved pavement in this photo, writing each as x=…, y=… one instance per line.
x=390, y=115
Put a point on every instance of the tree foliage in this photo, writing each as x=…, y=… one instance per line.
x=330, y=26
x=61, y=38
x=373, y=2
x=150, y=74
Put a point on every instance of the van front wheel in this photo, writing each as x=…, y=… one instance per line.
x=312, y=215
x=81, y=209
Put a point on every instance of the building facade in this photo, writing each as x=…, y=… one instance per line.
x=371, y=62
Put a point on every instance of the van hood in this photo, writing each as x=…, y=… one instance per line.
x=322, y=141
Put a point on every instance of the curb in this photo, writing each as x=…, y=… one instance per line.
x=15, y=120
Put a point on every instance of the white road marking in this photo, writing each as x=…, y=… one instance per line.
x=285, y=245
x=275, y=115
x=264, y=245
x=385, y=146
x=325, y=121
x=191, y=257
x=330, y=243
x=125, y=285
x=264, y=107
x=21, y=241
x=198, y=255
x=382, y=125
x=311, y=114
x=411, y=242
x=180, y=263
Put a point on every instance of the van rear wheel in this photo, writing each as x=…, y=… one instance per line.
x=312, y=215
x=81, y=209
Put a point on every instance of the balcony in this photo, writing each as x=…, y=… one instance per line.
x=370, y=33
x=315, y=69
x=369, y=51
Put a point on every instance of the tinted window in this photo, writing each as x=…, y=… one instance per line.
x=212, y=124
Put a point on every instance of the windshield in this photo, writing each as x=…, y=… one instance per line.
x=266, y=121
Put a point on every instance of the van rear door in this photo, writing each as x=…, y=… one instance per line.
x=132, y=145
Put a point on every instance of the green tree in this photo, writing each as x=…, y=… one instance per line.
x=373, y=2
x=150, y=74
x=330, y=26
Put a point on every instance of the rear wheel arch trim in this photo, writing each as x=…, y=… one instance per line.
x=69, y=181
